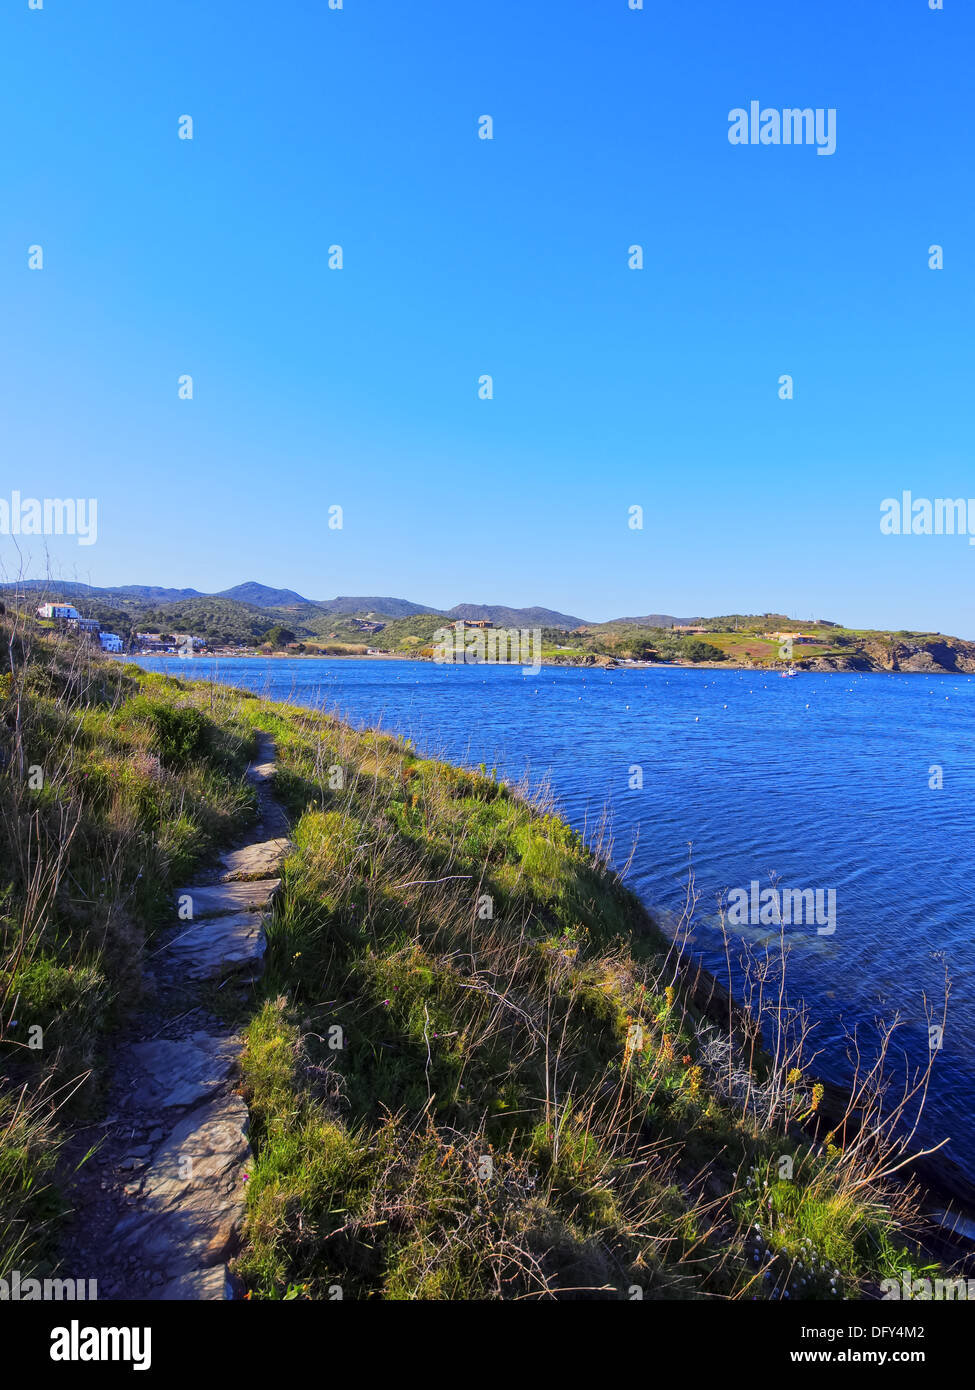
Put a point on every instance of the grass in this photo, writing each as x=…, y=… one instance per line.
x=112, y=785
x=476, y=1074
x=473, y=1066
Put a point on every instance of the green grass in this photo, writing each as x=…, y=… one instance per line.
x=474, y=1077
x=471, y=1067
x=113, y=784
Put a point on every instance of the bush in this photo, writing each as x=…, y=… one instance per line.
x=696, y=650
x=181, y=732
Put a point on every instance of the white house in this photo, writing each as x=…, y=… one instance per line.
x=111, y=641
x=58, y=610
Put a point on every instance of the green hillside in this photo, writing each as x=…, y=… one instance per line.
x=526, y=1101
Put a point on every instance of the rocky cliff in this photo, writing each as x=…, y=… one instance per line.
x=938, y=655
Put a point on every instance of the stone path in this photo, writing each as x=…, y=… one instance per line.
x=160, y=1212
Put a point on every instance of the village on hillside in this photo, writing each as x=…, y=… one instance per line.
x=144, y=643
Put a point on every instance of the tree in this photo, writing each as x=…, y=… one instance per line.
x=279, y=636
x=696, y=650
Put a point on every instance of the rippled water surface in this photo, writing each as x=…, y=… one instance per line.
x=822, y=781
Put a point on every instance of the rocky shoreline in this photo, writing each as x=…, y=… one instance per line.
x=920, y=662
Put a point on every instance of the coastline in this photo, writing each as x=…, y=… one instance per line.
x=801, y=670
x=948, y=1193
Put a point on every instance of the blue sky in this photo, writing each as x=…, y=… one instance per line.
x=613, y=387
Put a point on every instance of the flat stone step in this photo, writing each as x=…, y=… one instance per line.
x=183, y=1073
x=212, y=899
x=255, y=861
x=188, y=1217
x=260, y=772
x=219, y=946
x=177, y=1200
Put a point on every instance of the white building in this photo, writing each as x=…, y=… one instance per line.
x=58, y=610
x=111, y=641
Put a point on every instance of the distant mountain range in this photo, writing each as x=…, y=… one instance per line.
x=388, y=607
x=73, y=588
x=656, y=620
x=513, y=617
x=257, y=595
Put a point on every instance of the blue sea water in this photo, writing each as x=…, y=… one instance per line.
x=822, y=781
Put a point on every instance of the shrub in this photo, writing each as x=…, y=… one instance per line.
x=696, y=650
x=181, y=732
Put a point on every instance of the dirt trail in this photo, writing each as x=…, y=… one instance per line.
x=158, y=1208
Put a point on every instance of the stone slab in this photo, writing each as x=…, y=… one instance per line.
x=219, y=946
x=183, y=1073
x=212, y=899
x=188, y=1217
x=255, y=861
x=260, y=772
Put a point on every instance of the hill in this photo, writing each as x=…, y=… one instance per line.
x=70, y=588
x=398, y=625
x=747, y=641
x=152, y=592
x=261, y=607
x=651, y=620
x=260, y=596
x=379, y=607
x=502, y=616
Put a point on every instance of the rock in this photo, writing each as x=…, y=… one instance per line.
x=193, y=1195
x=177, y=1224
x=260, y=772
x=210, y=900
x=183, y=1073
x=200, y=1284
x=219, y=945
x=255, y=861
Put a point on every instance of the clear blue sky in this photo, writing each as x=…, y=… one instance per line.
x=612, y=387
